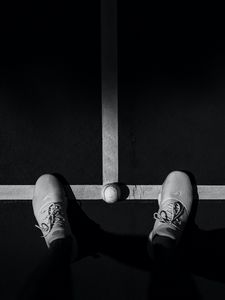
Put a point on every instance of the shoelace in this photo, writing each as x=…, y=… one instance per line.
x=171, y=215
x=54, y=216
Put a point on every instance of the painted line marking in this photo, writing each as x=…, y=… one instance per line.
x=110, y=160
x=93, y=192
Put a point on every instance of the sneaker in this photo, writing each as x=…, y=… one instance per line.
x=49, y=206
x=175, y=202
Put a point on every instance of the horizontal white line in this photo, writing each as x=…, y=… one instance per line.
x=150, y=192
x=93, y=192
x=25, y=192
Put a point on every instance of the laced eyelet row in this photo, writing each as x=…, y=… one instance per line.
x=171, y=215
x=54, y=216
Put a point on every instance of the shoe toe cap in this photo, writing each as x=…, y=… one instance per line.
x=47, y=185
x=178, y=186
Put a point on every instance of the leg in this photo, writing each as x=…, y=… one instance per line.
x=175, y=202
x=52, y=279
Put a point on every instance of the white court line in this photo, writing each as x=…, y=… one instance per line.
x=25, y=192
x=109, y=129
x=109, y=91
x=93, y=192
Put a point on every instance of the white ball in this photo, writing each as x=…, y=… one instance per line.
x=111, y=193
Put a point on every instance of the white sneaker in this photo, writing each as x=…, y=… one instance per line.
x=49, y=206
x=175, y=202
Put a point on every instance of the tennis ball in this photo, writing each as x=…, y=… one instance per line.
x=111, y=193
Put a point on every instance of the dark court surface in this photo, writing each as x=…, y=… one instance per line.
x=171, y=92
x=171, y=116
x=120, y=270
x=50, y=116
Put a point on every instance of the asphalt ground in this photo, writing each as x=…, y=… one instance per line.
x=171, y=104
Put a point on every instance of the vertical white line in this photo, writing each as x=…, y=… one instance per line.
x=109, y=91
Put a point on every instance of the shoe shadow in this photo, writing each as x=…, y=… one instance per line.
x=206, y=254
x=194, y=251
x=202, y=250
x=93, y=240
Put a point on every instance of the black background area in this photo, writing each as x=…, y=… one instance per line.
x=50, y=116
x=171, y=92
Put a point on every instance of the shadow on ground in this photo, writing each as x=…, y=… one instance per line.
x=200, y=252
